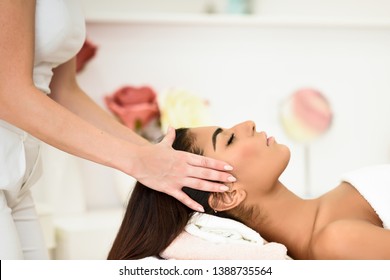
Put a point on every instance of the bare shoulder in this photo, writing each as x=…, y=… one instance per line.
x=351, y=239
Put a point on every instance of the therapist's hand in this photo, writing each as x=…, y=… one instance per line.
x=167, y=170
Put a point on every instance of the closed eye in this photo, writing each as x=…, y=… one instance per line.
x=231, y=139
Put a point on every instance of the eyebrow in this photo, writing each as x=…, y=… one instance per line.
x=214, y=137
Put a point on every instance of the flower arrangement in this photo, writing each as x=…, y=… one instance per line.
x=150, y=115
x=145, y=112
x=181, y=108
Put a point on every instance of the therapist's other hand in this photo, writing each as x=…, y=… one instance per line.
x=167, y=170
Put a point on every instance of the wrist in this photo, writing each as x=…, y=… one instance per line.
x=131, y=160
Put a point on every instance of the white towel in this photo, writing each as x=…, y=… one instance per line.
x=221, y=230
x=207, y=237
x=373, y=183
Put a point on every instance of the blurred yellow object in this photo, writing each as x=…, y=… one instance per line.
x=181, y=108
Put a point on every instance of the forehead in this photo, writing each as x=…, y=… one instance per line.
x=203, y=138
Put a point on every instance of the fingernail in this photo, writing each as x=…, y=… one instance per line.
x=200, y=209
x=228, y=167
x=231, y=179
x=224, y=188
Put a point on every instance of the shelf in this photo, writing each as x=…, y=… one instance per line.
x=237, y=20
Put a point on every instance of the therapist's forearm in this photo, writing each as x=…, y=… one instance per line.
x=34, y=112
x=66, y=91
x=84, y=107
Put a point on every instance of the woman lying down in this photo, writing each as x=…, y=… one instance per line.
x=349, y=222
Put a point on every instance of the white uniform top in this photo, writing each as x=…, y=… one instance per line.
x=59, y=35
x=373, y=183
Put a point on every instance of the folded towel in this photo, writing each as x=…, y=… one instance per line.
x=221, y=230
x=208, y=237
x=373, y=183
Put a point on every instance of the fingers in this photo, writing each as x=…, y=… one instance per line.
x=185, y=199
x=169, y=137
x=205, y=172
x=203, y=185
x=207, y=162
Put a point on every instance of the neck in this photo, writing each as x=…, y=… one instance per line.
x=286, y=218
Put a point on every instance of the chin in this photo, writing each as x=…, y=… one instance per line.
x=287, y=154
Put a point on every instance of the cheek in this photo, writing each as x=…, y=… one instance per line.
x=248, y=160
x=246, y=154
x=259, y=166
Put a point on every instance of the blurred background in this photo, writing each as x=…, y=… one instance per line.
x=245, y=59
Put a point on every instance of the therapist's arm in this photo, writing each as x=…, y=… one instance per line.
x=66, y=91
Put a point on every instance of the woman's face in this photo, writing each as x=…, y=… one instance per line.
x=258, y=160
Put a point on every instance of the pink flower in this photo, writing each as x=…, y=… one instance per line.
x=134, y=106
x=306, y=115
x=86, y=53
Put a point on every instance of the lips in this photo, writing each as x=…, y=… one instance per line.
x=270, y=140
x=266, y=138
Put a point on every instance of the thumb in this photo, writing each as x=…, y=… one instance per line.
x=169, y=137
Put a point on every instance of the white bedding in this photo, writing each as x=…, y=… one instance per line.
x=209, y=237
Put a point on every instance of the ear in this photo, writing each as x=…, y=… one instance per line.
x=223, y=201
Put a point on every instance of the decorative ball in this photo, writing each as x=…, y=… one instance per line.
x=306, y=115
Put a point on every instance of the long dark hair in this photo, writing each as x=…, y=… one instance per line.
x=154, y=219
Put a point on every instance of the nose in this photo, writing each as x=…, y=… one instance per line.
x=247, y=127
